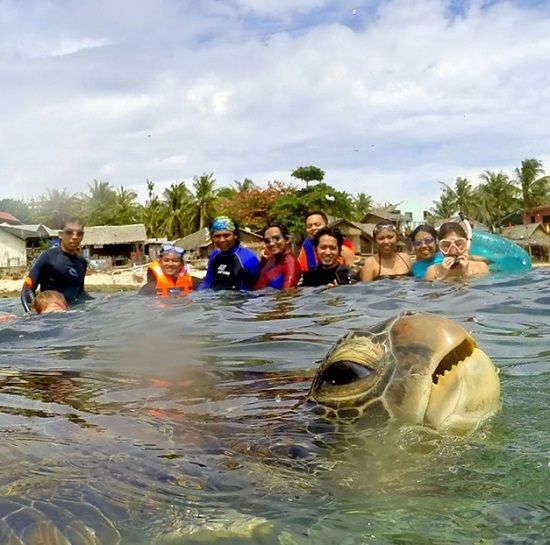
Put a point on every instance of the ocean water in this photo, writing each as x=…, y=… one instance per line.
x=134, y=420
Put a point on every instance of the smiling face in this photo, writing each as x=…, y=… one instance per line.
x=424, y=245
x=71, y=236
x=275, y=242
x=224, y=240
x=314, y=223
x=171, y=263
x=328, y=251
x=386, y=241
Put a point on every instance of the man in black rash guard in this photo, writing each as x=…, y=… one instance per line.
x=328, y=244
x=60, y=269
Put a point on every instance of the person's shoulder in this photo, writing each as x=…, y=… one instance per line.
x=243, y=251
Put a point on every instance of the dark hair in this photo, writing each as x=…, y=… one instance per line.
x=384, y=225
x=427, y=228
x=451, y=227
x=71, y=219
x=333, y=232
x=317, y=213
x=283, y=228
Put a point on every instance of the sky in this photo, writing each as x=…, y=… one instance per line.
x=390, y=98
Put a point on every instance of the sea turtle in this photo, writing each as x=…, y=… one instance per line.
x=100, y=473
x=416, y=368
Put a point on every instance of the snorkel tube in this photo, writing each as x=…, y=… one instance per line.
x=503, y=255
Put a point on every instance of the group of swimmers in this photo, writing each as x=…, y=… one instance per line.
x=326, y=258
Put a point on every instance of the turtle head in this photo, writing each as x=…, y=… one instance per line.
x=416, y=368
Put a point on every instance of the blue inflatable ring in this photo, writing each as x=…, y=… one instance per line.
x=503, y=255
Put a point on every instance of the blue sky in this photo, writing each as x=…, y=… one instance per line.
x=388, y=97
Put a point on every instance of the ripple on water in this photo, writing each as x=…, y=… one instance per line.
x=168, y=414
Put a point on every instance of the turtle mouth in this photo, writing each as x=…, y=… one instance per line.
x=455, y=357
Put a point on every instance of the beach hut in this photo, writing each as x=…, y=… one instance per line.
x=360, y=234
x=117, y=244
x=533, y=237
x=21, y=243
x=198, y=245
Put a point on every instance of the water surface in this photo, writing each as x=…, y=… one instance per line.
x=175, y=421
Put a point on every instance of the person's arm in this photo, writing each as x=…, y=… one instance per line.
x=348, y=257
x=407, y=260
x=292, y=272
x=150, y=288
x=367, y=271
x=208, y=280
x=431, y=273
x=84, y=295
x=479, y=268
x=32, y=281
x=251, y=270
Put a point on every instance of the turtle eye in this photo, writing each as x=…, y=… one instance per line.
x=341, y=373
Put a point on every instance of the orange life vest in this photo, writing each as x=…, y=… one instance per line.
x=165, y=283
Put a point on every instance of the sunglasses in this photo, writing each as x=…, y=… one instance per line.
x=275, y=239
x=428, y=241
x=388, y=226
x=71, y=232
x=460, y=244
x=170, y=248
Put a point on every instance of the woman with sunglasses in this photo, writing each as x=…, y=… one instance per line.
x=281, y=270
x=168, y=276
x=388, y=262
x=453, y=244
x=61, y=268
x=424, y=240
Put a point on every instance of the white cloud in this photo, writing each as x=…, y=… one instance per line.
x=389, y=103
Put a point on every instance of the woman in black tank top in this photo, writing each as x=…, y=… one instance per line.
x=388, y=262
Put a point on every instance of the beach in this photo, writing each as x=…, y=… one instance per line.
x=116, y=280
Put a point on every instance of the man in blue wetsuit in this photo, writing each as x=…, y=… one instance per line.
x=61, y=268
x=230, y=267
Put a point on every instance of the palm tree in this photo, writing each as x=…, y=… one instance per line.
x=496, y=197
x=462, y=195
x=201, y=208
x=125, y=209
x=98, y=207
x=533, y=186
x=53, y=208
x=151, y=213
x=175, y=210
x=445, y=207
x=362, y=204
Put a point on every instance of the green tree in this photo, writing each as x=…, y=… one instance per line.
x=292, y=208
x=308, y=174
x=152, y=212
x=202, y=206
x=462, y=196
x=125, y=210
x=175, y=211
x=20, y=209
x=362, y=204
x=496, y=197
x=445, y=207
x=533, y=186
x=55, y=206
x=99, y=204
